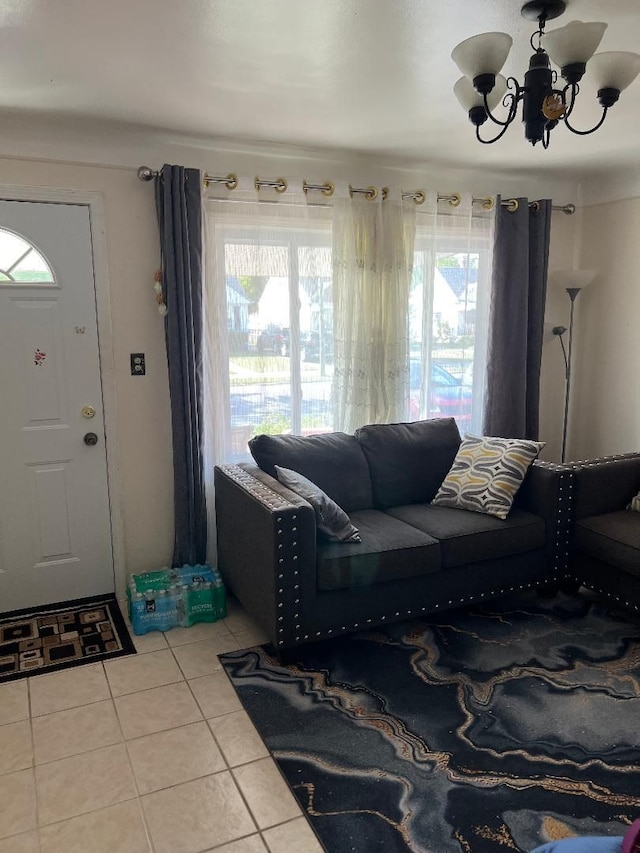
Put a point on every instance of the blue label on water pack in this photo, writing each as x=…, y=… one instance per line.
x=157, y=613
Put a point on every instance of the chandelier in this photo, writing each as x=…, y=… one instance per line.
x=545, y=102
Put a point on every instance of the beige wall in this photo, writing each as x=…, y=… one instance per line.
x=605, y=408
x=561, y=253
x=143, y=414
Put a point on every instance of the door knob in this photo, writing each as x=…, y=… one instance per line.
x=90, y=438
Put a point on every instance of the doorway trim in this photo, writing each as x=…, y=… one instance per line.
x=97, y=222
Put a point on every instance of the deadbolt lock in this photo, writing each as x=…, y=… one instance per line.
x=88, y=411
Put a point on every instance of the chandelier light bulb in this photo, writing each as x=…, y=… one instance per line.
x=482, y=54
x=573, y=44
x=469, y=98
x=614, y=69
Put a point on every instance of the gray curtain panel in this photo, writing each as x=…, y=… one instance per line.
x=516, y=320
x=178, y=202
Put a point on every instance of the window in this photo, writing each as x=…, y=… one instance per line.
x=274, y=371
x=279, y=322
x=447, y=323
x=21, y=263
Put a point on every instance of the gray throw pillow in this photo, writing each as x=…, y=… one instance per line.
x=330, y=518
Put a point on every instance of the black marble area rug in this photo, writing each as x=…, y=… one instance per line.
x=477, y=731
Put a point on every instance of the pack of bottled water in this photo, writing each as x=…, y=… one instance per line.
x=159, y=601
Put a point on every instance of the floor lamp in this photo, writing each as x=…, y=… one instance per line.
x=573, y=282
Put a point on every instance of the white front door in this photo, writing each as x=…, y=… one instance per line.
x=55, y=531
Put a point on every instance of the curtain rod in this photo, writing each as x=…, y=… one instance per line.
x=280, y=186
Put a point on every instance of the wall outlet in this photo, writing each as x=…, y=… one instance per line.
x=138, y=366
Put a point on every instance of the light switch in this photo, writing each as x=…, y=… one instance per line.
x=138, y=367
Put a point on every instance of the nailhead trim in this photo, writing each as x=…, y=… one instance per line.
x=397, y=614
x=250, y=484
x=600, y=591
x=564, y=517
x=600, y=460
x=288, y=526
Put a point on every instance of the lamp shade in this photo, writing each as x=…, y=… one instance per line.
x=469, y=98
x=482, y=54
x=572, y=278
x=576, y=42
x=615, y=69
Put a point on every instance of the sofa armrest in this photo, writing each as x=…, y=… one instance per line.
x=266, y=536
x=605, y=484
x=547, y=491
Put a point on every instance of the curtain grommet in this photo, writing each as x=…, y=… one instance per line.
x=370, y=193
x=327, y=189
x=279, y=184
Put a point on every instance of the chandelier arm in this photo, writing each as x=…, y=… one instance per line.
x=495, y=138
x=593, y=129
x=574, y=89
x=510, y=98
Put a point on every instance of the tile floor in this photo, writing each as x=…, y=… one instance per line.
x=150, y=753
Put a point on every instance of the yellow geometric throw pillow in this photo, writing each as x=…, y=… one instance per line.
x=486, y=474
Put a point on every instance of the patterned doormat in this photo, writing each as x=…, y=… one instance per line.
x=486, y=730
x=44, y=639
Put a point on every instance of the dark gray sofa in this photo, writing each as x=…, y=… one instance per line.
x=605, y=535
x=413, y=559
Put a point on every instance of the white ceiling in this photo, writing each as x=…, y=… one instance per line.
x=370, y=76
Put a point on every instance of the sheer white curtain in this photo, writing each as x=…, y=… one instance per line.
x=449, y=302
x=372, y=263
x=267, y=319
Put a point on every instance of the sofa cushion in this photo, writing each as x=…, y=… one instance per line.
x=333, y=461
x=408, y=461
x=332, y=521
x=613, y=538
x=467, y=537
x=389, y=550
x=486, y=474
x=605, y=486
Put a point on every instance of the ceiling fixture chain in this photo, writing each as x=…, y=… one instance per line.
x=544, y=105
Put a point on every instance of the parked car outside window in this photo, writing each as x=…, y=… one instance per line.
x=312, y=343
x=274, y=339
x=448, y=396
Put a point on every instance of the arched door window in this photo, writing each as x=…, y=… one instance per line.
x=22, y=263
